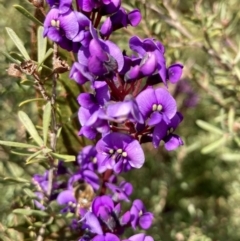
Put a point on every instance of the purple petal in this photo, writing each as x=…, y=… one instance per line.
x=86, y=100
x=135, y=154
x=146, y=100
x=64, y=6
x=76, y=74
x=115, y=52
x=68, y=24
x=65, y=197
x=145, y=221
x=175, y=73
x=136, y=45
x=148, y=64
x=93, y=223
x=106, y=28
x=172, y=142
x=167, y=101
x=155, y=118
x=134, y=17
x=159, y=132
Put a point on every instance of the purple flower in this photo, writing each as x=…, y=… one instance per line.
x=101, y=58
x=122, y=192
x=108, y=214
x=152, y=54
x=64, y=28
x=164, y=132
x=119, y=20
x=139, y=216
x=122, y=152
x=90, y=159
x=90, y=110
x=157, y=105
x=123, y=111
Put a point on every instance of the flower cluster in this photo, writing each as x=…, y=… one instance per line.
x=129, y=104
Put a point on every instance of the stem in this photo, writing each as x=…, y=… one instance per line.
x=53, y=139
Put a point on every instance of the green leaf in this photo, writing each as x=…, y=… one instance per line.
x=66, y=158
x=10, y=58
x=17, y=41
x=30, y=193
x=27, y=14
x=30, y=127
x=208, y=127
x=213, y=146
x=231, y=157
x=21, y=153
x=29, y=212
x=49, y=52
x=33, y=156
x=42, y=45
x=30, y=100
x=46, y=121
x=231, y=115
x=15, y=180
x=17, y=144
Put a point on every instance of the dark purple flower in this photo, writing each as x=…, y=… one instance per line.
x=157, y=105
x=139, y=216
x=122, y=152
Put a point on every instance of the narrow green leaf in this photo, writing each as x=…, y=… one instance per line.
x=33, y=156
x=66, y=158
x=30, y=100
x=27, y=14
x=46, y=121
x=37, y=160
x=42, y=44
x=29, y=212
x=10, y=58
x=231, y=115
x=30, y=127
x=49, y=52
x=213, y=146
x=231, y=157
x=30, y=193
x=17, y=144
x=17, y=41
x=15, y=180
x=208, y=127
x=21, y=153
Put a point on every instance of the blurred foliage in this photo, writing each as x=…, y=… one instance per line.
x=195, y=191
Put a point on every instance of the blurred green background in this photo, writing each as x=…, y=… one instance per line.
x=194, y=192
